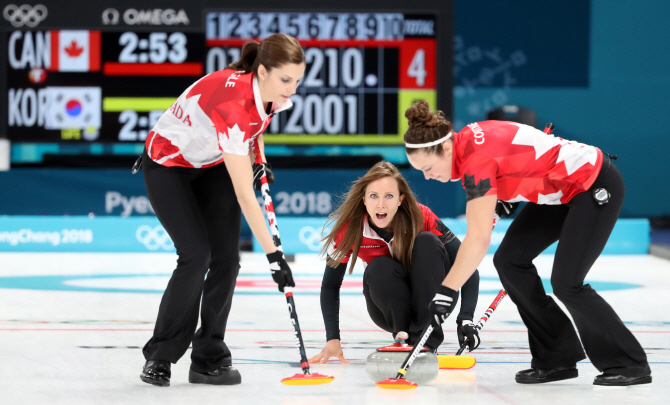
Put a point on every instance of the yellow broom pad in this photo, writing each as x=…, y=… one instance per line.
x=308, y=379
x=455, y=362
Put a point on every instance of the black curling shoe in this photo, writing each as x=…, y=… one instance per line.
x=537, y=375
x=156, y=372
x=620, y=380
x=225, y=375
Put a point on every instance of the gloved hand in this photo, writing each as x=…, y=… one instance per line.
x=258, y=173
x=505, y=209
x=468, y=333
x=442, y=304
x=281, y=273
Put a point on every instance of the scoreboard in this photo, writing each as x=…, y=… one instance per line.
x=363, y=70
x=111, y=84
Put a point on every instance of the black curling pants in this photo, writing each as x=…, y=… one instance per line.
x=199, y=210
x=397, y=299
x=581, y=228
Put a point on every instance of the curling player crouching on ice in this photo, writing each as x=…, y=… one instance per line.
x=199, y=178
x=574, y=194
x=407, y=251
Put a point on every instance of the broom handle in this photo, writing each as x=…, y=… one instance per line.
x=485, y=318
x=414, y=353
x=274, y=230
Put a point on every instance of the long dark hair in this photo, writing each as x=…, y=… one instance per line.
x=407, y=222
x=275, y=51
x=425, y=126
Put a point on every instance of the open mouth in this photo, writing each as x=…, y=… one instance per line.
x=381, y=216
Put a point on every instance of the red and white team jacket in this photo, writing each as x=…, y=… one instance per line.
x=517, y=162
x=222, y=111
x=373, y=245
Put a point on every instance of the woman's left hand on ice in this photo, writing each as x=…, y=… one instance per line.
x=332, y=349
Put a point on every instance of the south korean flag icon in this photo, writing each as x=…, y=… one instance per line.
x=73, y=107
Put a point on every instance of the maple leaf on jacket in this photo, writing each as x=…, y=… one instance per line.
x=74, y=49
x=473, y=190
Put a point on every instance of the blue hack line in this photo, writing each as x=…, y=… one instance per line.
x=57, y=283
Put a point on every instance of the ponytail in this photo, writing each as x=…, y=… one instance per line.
x=275, y=51
x=247, y=58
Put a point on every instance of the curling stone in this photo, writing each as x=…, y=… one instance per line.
x=385, y=362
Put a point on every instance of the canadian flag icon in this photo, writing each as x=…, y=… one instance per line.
x=75, y=51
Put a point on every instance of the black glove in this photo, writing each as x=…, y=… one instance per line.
x=442, y=304
x=505, y=209
x=281, y=273
x=258, y=173
x=468, y=333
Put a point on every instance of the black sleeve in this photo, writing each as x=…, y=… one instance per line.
x=447, y=235
x=330, y=299
x=470, y=290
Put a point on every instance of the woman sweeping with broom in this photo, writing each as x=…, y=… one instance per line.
x=199, y=177
x=574, y=194
x=407, y=251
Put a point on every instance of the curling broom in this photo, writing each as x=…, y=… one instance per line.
x=399, y=382
x=306, y=378
x=465, y=362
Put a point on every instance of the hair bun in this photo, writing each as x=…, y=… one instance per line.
x=420, y=114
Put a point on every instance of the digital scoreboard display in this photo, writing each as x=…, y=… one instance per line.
x=363, y=70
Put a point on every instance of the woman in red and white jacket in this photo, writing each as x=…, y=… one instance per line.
x=573, y=194
x=407, y=251
x=199, y=178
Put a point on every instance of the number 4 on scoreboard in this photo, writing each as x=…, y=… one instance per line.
x=417, y=64
x=417, y=68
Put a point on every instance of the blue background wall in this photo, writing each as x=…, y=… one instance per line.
x=599, y=70
x=621, y=108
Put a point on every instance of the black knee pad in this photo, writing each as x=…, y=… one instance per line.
x=426, y=239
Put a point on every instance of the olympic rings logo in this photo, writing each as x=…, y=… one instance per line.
x=311, y=238
x=25, y=15
x=154, y=238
